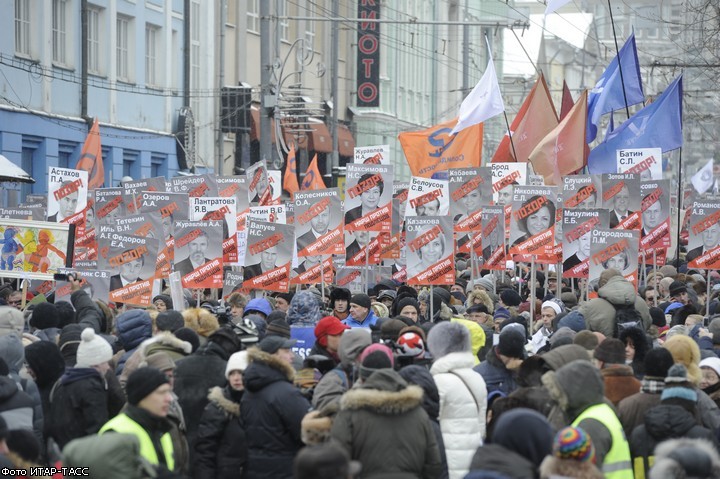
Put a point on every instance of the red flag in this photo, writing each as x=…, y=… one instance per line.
x=91, y=158
x=313, y=180
x=290, y=182
x=536, y=118
x=561, y=152
x=567, y=101
x=435, y=149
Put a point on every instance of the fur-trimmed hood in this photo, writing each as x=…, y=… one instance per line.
x=555, y=467
x=265, y=369
x=484, y=298
x=168, y=340
x=315, y=428
x=575, y=386
x=385, y=392
x=217, y=397
x=673, y=457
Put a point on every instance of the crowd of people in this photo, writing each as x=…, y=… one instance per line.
x=500, y=376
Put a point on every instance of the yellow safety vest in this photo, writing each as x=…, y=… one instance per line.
x=123, y=424
x=617, y=463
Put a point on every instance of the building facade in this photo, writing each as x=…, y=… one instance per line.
x=127, y=72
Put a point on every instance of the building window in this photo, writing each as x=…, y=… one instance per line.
x=310, y=25
x=22, y=27
x=66, y=150
x=59, y=27
x=131, y=165
x=122, y=66
x=253, y=16
x=284, y=23
x=93, y=40
x=152, y=35
x=158, y=166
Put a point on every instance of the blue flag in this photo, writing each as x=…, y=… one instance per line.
x=658, y=125
x=607, y=95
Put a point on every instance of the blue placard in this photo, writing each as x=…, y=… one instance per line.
x=305, y=336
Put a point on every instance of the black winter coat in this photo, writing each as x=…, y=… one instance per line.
x=221, y=446
x=78, y=405
x=271, y=409
x=663, y=422
x=194, y=377
x=494, y=458
x=87, y=313
x=16, y=407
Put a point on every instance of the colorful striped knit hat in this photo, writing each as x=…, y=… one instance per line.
x=573, y=443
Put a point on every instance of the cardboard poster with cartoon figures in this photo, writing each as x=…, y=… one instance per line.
x=34, y=249
x=67, y=193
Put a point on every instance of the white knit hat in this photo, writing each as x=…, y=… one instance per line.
x=237, y=362
x=93, y=350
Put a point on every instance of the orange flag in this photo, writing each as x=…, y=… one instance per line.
x=561, y=152
x=290, y=182
x=313, y=179
x=435, y=149
x=536, y=118
x=91, y=158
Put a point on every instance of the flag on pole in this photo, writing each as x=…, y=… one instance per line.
x=313, y=179
x=567, y=101
x=290, y=182
x=536, y=118
x=703, y=179
x=658, y=125
x=553, y=5
x=608, y=94
x=91, y=158
x=561, y=152
x=434, y=149
x=484, y=101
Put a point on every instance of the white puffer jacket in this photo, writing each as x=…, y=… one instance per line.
x=463, y=404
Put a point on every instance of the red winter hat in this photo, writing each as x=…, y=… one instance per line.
x=328, y=326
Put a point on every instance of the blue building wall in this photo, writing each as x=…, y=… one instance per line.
x=32, y=85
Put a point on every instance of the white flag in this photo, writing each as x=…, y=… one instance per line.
x=483, y=102
x=703, y=179
x=553, y=5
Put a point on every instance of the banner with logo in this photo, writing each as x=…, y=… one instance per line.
x=621, y=197
x=493, y=238
x=616, y=249
x=429, y=250
x=368, y=197
x=470, y=190
x=67, y=193
x=198, y=253
x=224, y=210
x=644, y=162
x=318, y=222
x=577, y=227
x=704, y=240
x=581, y=191
x=372, y=155
x=268, y=257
